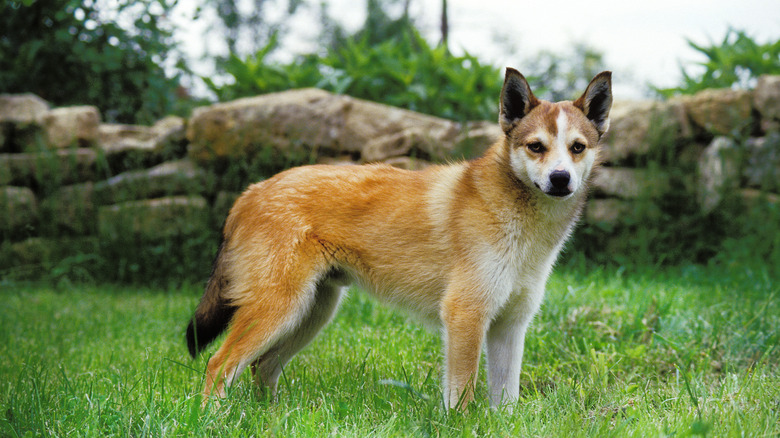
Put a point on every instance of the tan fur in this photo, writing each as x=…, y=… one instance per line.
x=466, y=246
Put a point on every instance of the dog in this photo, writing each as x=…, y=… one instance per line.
x=466, y=246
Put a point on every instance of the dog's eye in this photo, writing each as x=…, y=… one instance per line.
x=577, y=148
x=535, y=147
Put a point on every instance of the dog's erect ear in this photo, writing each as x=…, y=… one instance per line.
x=517, y=99
x=597, y=100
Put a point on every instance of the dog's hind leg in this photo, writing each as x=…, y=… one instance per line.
x=268, y=368
x=268, y=309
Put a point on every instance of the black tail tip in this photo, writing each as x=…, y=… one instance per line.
x=202, y=330
x=192, y=340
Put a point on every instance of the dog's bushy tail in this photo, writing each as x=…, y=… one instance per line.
x=214, y=312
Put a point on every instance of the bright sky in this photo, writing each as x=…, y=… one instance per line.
x=643, y=42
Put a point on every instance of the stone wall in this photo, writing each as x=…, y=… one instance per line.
x=67, y=180
x=64, y=175
x=727, y=141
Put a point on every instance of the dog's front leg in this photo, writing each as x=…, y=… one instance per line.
x=505, y=340
x=505, y=344
x=464, y=320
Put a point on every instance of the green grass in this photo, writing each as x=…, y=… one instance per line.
x=676, y=352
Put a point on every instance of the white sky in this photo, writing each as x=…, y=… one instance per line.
x=643, y=42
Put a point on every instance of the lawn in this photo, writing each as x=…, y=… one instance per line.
x=670, y=352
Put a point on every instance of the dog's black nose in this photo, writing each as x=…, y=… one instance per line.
x=560, y=179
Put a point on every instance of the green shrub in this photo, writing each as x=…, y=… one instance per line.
x=672, y=229
x=564, y=75
x=68, y=53
x=404, y=71
x=736, y=62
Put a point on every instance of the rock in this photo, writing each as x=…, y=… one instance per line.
x=341, y=160
x=114, y=138
x=689, y=154
x=636, y=127
x=473, y=140
x=476, y=138
x=240, y=128
x=407, y=163
x=172, y=178
x=720, y=111
x=768, y=125
x=5, y=169
x=28, y=139
x=304, y=124
x=5, y=137
x=366, y=121
x=41, y=252
x=170, y=136
x=153, y=219
x=71, y=209
x=605, y=211
x=18, y=211
x=48, y=169
x=32, y=251
x=766, y=97
x=762, y=163
x=22, y=109
x=409, y=142
x=753, y=198
x=71, y=126
x=719, y=172
x=132, y=146
x=20, y=128
x=629, y=183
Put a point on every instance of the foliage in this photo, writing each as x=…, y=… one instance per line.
x=255, y=75
x=249, y=27
x=404, y=72
x=410, y=73
x=564, y=75
x=611, y=353
x=672, y=229
x=379, y=25
x=736, y=62
x=390, y=63
x=70, y=53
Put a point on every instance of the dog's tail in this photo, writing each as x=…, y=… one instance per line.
x=214, y=312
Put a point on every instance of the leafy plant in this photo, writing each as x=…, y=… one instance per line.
x=737, y=61
x=404, y=71
x=69, y=53
x=564, y=75
x=249, y=27
x=255, y=74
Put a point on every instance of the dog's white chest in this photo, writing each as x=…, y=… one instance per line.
x=517, y=265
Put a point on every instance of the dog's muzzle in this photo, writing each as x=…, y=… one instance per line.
x=559, y=183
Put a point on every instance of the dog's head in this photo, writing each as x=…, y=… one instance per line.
x=553, y=146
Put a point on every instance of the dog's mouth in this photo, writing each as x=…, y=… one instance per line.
x=559, y=193
x=555, y=191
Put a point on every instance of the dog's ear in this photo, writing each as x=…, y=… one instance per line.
x=517, y=99
x=597, y=100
